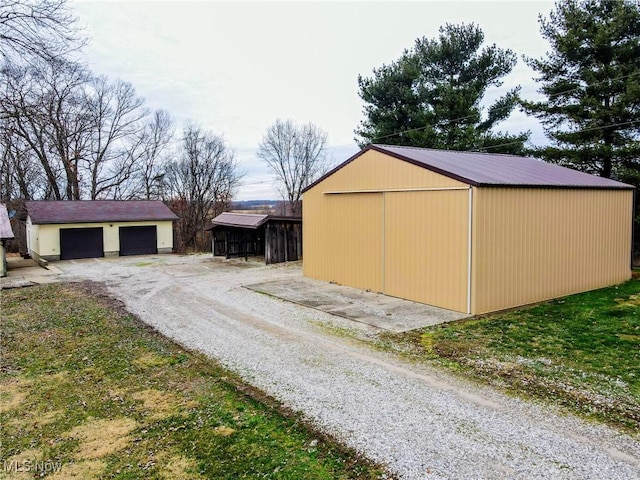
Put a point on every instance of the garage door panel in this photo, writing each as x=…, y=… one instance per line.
x=81, y=243
x=138, y=240
x=426, y=247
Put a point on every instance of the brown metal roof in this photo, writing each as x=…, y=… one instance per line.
x=5, y=226
x=97, y=211
x=490, y=170
x=244, y=220
x=247, y=220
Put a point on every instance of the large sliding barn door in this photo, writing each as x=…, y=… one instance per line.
x=350, y=243
x=426, y=245
x=407, y=244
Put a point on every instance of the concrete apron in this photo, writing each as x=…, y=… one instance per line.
x=381, y=311
x=22, y=272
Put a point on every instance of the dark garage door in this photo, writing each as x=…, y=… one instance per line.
x=81, y=243
x=138, y=240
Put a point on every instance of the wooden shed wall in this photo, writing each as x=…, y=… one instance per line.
x=283, y=242
x=535, y=244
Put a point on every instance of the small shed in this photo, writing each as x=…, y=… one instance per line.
x=277, y=238
x=6, y=233
x=70, y=229
x=469, y=232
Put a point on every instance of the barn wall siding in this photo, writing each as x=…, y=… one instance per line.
x=377, y=171
x=536, y=244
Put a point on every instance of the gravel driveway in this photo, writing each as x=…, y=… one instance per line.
x=419, y=421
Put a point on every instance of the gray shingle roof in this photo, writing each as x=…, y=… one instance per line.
x=492, y=170
x=96, y=211
x=5, y=226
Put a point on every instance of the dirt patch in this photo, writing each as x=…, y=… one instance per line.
x=99, y=291
x=100, y=438
x=79, y=470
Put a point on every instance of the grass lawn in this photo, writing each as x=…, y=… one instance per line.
x=581, y=351
x=86, y=387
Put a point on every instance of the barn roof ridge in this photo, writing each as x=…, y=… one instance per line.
x=385, y=145
x=488, y=169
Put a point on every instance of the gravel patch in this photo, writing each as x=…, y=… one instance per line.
x=419, y=421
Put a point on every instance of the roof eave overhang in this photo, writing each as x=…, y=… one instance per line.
x=233, y=225
x=72, y=222
x=622, y=186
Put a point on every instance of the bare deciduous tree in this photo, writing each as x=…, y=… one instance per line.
x=150, y=150
x=81, y=129
x=115, y=112
x=296, y=156
x=42, y=105
x=21, y=173
x=200, y=184
x=41, y=28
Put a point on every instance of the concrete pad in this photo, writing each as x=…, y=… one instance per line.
x=24, y=272
x=381, y=311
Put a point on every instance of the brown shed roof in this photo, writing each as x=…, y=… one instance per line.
x=5, y=226
x=97, y=211
x=247, y=220
x=490, y=170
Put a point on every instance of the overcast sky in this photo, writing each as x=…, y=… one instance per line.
x=236, y=67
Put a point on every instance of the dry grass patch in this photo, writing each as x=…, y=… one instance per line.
x=150, y=360
x=161, y=404
x=179, y=467
x=14, y=466
x=99, y=438
x=79, y=470
x=223, y=431
x=14, y=392
x=45, y=418
x=34, y=418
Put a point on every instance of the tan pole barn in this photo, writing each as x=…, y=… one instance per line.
x=469, y=232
